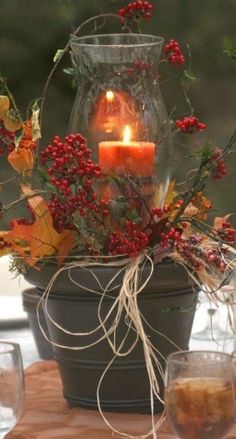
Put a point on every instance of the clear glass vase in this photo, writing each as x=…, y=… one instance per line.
x=119, y=109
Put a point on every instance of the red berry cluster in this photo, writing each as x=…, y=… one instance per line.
x=190, y=125
x=6, y=140
x=219, y=170
x=190, y=250
x=159, y=212
x=131, y=242
x=72, y=172
x=227, y=233
x=197, y=257
x=171, y=237
x=136, y=10
x=173, y=53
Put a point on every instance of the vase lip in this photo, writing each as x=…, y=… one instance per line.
x=114, y=40
x=179, y=357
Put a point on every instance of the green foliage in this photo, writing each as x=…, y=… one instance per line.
x=229, y=49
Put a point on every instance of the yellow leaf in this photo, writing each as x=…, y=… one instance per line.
x=3, y=239
x=11, y=122
x=171, y=194
x=4, y=106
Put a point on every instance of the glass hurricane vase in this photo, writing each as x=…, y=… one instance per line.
x=119, y=109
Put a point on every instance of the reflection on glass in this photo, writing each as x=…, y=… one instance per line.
x=212, y=329
x=11, y=386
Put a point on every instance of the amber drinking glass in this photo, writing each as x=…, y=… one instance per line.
x=199, y=394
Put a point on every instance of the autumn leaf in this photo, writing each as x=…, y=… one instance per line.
x=36, y=133
x=4, y=106
x=33, y=242
x=4, y=250
x=171, y=193
x=219, y=222
x=68, y=243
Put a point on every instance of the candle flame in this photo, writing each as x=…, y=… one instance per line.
x=110, y=96
x=127, y=134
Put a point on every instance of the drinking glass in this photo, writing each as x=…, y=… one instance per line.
x=11, y=386
x=199, y=394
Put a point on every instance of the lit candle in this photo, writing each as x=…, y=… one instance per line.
x=127, y=156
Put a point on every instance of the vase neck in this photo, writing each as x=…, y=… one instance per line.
x=122, y=54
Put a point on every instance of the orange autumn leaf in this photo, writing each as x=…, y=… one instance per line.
x=219, y=222
x=4, y=106
x=66, y=245
x=22, y=160
x=40, y=239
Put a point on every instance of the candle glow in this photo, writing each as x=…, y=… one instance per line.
x=127, y=134
x=113, y=109
x=109, y=96
x=127, y=157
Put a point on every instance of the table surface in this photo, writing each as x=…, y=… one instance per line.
x=47, y=415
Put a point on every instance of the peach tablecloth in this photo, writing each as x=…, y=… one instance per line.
x=47, y=415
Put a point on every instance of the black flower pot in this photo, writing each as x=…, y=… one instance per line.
x=167, y=305
x=30, y=299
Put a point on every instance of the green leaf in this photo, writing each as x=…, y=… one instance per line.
x=121, y=211
x=227, y=44
x=69, y=71
x=206, y=153
x=188, y=77
x=17, y=138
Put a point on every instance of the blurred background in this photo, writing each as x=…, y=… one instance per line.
x=31, y=32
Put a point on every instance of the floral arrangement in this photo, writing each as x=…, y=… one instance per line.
x=67, y=217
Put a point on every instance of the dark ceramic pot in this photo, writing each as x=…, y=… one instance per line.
x=168, y=305
x=30, y=299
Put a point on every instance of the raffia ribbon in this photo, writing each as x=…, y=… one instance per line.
x=126, y=303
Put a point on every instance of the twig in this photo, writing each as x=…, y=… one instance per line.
x=201, y=177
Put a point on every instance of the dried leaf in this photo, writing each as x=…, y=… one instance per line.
x=220, y=220
x=171, y=193
x=36, y=133
x=4, y=238
x=4, y=106
x=68, y=243
x=40, y=239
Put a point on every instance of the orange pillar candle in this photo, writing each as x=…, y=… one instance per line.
x=127, y=157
